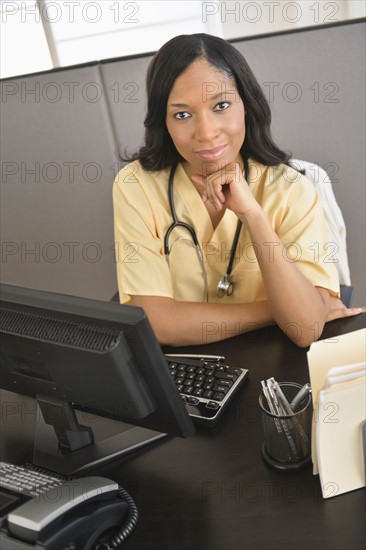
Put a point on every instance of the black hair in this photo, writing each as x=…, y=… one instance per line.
x=158, y=151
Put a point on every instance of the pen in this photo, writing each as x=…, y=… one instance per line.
x=285, y=423
x=300, y=396
x=285, y=405
x=294, y=422
x=270, y=405
x=274, y=398
x=197, y=356
x=268, y=397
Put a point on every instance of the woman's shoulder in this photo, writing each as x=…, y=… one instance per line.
x=280, y=178
x=134, y=172
x=136, y=185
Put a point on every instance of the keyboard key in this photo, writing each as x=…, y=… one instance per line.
x=208, y=394
x=218, y=396
x=220, y=388
x=227, y=383
x=192, y=400
x=11, y=486
x=210, y=368
x=212, y=405
x=226, y=376
x=231, y=370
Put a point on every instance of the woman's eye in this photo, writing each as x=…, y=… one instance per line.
x=182, y=115
x=222, y=106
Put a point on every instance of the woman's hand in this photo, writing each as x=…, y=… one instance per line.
x=337, y=309
x=227, y=188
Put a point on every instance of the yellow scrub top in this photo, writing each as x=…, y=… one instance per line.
x=142, y=216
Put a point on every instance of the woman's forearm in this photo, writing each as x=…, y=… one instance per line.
x=299, y=308
x=178, y=323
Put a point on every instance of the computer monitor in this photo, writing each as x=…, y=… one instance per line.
x=101, y=358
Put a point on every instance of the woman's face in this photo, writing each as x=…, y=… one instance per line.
x=205, y=119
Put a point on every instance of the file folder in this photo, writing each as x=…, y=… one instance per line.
x=337, y=369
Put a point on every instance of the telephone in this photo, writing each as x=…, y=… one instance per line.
x=41, y=510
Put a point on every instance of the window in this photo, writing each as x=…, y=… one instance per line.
x=23, y=44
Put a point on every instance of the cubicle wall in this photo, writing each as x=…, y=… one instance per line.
x=64, y=133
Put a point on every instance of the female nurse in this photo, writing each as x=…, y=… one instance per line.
x=218, y=231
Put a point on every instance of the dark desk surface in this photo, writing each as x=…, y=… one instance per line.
x=212, y=491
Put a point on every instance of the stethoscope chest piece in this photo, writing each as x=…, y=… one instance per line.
x=224, y=286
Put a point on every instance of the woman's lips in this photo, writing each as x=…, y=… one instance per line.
x=211, y=154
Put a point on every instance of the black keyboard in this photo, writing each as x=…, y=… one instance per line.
x=20, y=483
x=25, y=481
x=206, y=385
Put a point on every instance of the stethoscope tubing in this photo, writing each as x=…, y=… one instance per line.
x=225, y=280
x=176, y=222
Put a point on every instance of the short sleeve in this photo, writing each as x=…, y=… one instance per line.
x=140, y=261
x=304, y=231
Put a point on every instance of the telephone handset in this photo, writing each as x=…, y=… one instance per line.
x=27, y=521
x=43, y=511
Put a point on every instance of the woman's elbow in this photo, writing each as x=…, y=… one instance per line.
x=303, y=335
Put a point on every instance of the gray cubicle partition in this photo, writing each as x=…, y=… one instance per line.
x=58, y=161
x=64, y=133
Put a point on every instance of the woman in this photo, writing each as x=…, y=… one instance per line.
x=242, y=253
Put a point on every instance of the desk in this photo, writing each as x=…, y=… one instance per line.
x=212, y=491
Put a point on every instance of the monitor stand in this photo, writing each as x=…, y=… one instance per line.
x=65, y=446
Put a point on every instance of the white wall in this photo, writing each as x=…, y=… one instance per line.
x=39, y=35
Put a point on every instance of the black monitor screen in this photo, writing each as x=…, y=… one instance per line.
x=100, y=357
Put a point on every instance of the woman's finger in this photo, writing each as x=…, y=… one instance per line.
x=345, y=312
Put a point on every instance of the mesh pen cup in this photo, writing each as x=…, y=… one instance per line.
x=287, y=439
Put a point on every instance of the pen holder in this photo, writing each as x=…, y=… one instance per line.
x=287, y=439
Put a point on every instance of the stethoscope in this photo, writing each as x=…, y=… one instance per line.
x=225, y=286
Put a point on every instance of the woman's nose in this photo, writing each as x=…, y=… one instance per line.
x=206, y=129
